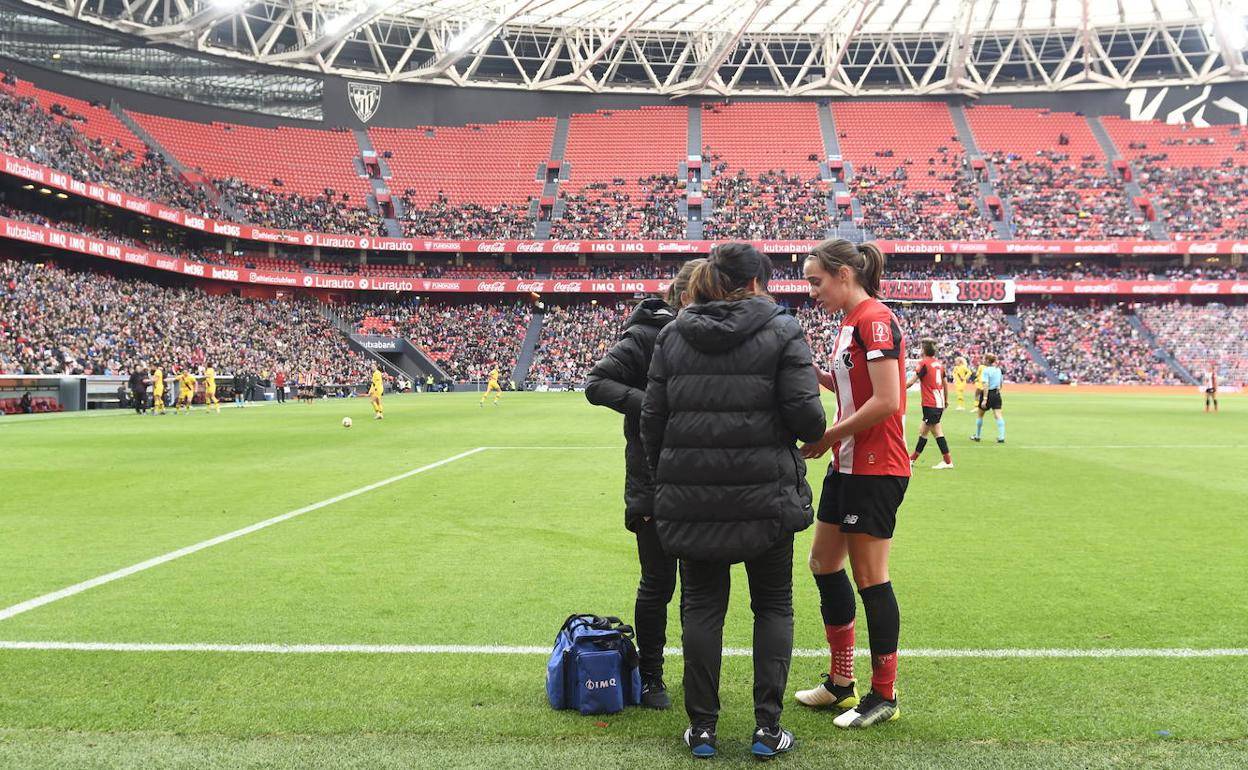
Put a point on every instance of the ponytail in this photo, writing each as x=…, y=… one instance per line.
x=865, y=260
x=726, y=275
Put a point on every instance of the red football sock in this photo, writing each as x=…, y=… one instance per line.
x=884, y=675
x=841, y=646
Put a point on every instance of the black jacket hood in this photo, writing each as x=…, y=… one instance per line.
x=718, y=326
x=652, y=311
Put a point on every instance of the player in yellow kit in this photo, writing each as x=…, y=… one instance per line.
x=210, y=390
x=158, y=391
x=375, y=390
x=186, y=390
x=492, y=385
x=961, y=373
x=979, y=384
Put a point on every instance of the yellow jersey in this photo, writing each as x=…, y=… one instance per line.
x=210, y=379
x=188, y=381
x=377, y=383
x=979, y=376
x=494, y=375
x=961, y=373
x=158, y=380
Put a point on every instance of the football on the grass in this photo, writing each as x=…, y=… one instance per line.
x=346, y=422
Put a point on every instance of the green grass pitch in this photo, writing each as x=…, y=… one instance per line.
x=1108, y=522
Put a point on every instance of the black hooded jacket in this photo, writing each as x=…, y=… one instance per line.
x=731, y=391
x=619, y=381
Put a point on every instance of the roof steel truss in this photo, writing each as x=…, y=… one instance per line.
x=501, y=44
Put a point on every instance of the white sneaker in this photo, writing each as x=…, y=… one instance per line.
x=942, y=465
x=827, y=694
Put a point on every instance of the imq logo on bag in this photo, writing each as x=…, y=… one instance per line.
x=365, y=98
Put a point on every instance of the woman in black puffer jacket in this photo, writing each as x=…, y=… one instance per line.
x=618, y=381
x=731, y=390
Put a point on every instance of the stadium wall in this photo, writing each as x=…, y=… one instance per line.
x=404, y=104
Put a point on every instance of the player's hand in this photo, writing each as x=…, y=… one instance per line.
x=825, y=378
x=819, y=448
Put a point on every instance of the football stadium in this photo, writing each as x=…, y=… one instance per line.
x=567, y=383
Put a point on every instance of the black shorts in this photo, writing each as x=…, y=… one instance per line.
x=861, y=503
x=990, y=400
x=931, y=415
x=1211, y=391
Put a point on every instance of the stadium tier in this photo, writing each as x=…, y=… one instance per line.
x=905, y=166
x=622, y=180
x=61, y=321
x=1054, y=174
x=472, y=181
x=51, y=322
x=1195, y=177
x=765, y=180
x=909, y=171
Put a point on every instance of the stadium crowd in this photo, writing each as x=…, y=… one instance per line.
x=610, y=210
x=465, y=340
x=60, y=321
x=1199, y=202
x=574, y=338
x=940, y=204
x=770, y=205
x=329, y=212
x=1052, y=197
x=28, y=131
x=1079, y=271
x=1093, y=344
x=472, y=221
x=54, y=139
x=1202, y=337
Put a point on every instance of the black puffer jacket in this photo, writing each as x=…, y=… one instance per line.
x=731, y=390
x=619, y=381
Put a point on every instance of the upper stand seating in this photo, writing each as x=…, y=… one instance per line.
x=1053, y=171
x=289, y=178
x=909, y=171
x=1197, y=176
x=765, y=180
x=623, y=181
x=471, y=181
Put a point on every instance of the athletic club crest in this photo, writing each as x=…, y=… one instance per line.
x=365, y=98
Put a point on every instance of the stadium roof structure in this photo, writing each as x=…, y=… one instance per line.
x=710, y=47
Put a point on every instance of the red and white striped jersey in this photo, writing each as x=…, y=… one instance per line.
x=868, y=333
x=931, y=375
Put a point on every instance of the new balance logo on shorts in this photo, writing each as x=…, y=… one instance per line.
x=850, y=518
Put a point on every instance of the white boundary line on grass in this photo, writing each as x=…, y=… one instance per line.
x=1133, y=446
x=1079, y=447
x=732, y=652
x=78, y=588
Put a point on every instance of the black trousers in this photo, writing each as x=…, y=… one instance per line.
x=140, y=401
x=281, y=395
x=654, y=593
x=704, y=602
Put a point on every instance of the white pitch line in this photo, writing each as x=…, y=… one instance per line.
x=731, y=652
x=1134, y=446
x=78, y=588
x=617, y=446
